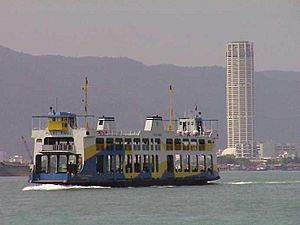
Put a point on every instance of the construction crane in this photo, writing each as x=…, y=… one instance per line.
x=29, y=153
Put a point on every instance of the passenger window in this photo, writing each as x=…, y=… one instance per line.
x=157, y=144
x=38, y=163
x=128, y=144
x=53, y=163
x=201, y=144
x=110, y=163
x=109, y=140
x=44, y=164
x=194, y=163
x=137, y=164
x=99, y=144
x=152, y=162
x=151, y=144
x=136, y=144
x=109, y=143
x=185, y=144
x=72, y=159
x=146, y=164
x=100, y=164
x=119, y=144
x=177, y=144
x=202, y=163
x=193, y=144
x=169, y=144
x=186, y=163
x=170, y=163
x=178, y=163
x=145, y=144
x=156, y=163
x=99, y=140
x=128, y=164
x=209, y=163
x=119, y=163
x=62, y=163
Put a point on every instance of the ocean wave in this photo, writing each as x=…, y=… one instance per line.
x=263, y=182
x=56, y=187
x=242, y=182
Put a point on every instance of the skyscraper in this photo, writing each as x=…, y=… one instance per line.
x=240, y=98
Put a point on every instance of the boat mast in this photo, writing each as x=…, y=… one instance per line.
x=85, y=87
x=170, y=128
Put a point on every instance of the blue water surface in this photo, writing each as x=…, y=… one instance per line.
x=239, y=198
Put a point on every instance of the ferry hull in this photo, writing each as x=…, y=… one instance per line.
x=188, y=181
x=11, y=169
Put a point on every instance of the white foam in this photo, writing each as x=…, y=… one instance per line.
x=166, y=186
x=55, y=187
x=241, y=182
x=266, y=182
x=283, y=182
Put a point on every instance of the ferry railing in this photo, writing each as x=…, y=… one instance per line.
x=59, y=147
x=121, y=133
x=210, y=128
x=41, y=122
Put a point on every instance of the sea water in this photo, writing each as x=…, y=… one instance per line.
x=263, y=197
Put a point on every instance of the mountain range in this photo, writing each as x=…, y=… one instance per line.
x=131, y=90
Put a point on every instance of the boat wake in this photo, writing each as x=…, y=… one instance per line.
x=263, y=182
x=55, y=187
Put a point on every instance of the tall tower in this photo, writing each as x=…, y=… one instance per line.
x=240, y=98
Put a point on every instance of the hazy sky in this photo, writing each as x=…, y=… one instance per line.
x=190, y=33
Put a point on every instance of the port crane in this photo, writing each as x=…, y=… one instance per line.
x=29, y=153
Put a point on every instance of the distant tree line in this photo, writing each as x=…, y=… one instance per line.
x=230, y=159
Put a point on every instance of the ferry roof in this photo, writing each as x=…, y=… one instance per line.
x=157, y=117
x=61, y=114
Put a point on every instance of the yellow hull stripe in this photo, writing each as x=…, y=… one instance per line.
x=89, y=151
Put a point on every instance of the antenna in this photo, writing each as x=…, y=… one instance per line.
x=56, y=100
x=85, y=87
x=170, y=108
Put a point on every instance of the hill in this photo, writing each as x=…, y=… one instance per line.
x=130, y=90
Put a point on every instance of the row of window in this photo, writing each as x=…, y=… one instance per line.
x=150, y=163
x=150, y=144
x=189, y=163
x=186, y=144
x=124, y=164
x=58, y=163
x=127, y=163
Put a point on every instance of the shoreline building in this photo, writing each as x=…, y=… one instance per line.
x=240, y=98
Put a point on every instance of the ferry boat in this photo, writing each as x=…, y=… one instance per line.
x=69, y=154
